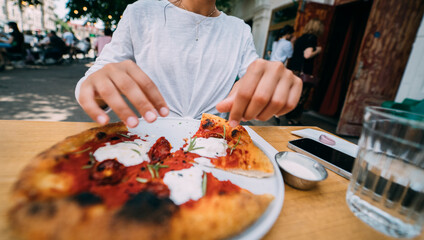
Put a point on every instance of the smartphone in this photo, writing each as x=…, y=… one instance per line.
x=331, y=158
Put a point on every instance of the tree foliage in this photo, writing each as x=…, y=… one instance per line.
x=110, y=11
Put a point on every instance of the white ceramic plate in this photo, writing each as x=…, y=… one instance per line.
x=176, y=129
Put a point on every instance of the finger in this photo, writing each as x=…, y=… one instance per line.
x=245, y=92
x=279, y=100
x=263, y=94
x=293, y=97
x=110, y=94
x=90, y=106
x=132, y=91
x=226, y=104
x=149, y=88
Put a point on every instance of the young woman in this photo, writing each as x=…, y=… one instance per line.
x=283, y=49
x=16, y=39
x=305, y=50
x=181, y=58
x=13, y=44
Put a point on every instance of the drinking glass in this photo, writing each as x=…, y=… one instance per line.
x=386, y=190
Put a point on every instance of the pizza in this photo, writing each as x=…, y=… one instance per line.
x=109, y=183
x=234, y=148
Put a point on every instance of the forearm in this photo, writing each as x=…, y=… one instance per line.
x=316, y=52
x=310, y=52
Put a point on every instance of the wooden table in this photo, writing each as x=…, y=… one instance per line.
x=320, y=213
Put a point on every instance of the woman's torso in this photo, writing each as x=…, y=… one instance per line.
x=192, y=75
x=298, y=61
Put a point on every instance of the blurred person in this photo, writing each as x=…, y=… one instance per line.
x=14, y=41
x=166, y=69
x=83, y=46
x=39, y=35
x=69, y=39
x=54, y=48
x=283, y=48
x=101, y=41
x=302, y=63
x=30, y=41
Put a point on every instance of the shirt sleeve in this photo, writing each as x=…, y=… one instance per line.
x=119, y=49
x=248, y=53
x=289, y=51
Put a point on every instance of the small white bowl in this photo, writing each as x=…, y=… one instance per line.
x=300, y=171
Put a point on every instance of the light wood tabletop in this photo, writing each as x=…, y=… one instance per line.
x=320, y=213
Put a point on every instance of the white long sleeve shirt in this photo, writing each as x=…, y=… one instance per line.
x=193, y=76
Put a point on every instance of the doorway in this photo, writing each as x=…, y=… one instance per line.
x=344, y=41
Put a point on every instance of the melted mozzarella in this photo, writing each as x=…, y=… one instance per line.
x=210, y=147
x=184, y=185
x=204, y=161
x=128, y=153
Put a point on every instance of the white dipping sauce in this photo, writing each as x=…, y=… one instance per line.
x=299, y=170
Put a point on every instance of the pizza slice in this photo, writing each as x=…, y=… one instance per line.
x=221, y=146
x=108, y=183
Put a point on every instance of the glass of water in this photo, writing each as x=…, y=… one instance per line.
x=386, y=190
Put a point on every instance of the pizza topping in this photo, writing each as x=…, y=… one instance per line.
x=42, y=209
x=207, y=123
x=204, y=161
x=192, y=146
x=154, y=169
x=234, y=133
x=108, y=172
x=147, y=207
x=204, y=184
x=86, y=199
x=124, y=135
x=224, y=133
x=160, y=150
x=100, y=135
x=209, y=147
x=83, y=151
x=235, y=145
x=158, y=188
x=141, y=180
x=184, y=184
x=128, y=153
x=91, y=161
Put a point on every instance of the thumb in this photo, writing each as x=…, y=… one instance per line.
x=226, y=104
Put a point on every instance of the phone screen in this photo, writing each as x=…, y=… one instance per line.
x=326, y=153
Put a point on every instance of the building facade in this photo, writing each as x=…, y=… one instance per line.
x=29, y=17
x=266, y=17
x=362, y=62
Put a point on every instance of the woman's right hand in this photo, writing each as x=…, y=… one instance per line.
x=106, y=86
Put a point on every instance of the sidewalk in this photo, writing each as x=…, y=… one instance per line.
x=43, y=93
x=46, y=93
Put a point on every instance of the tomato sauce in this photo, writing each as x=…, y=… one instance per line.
x=145, y=176
x=235, y=157
x=216, y=187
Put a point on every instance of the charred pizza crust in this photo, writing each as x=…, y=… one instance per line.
x=38, y=182
x=216, y=217
x=44, y=206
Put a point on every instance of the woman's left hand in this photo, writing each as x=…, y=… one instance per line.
x=267, y=89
